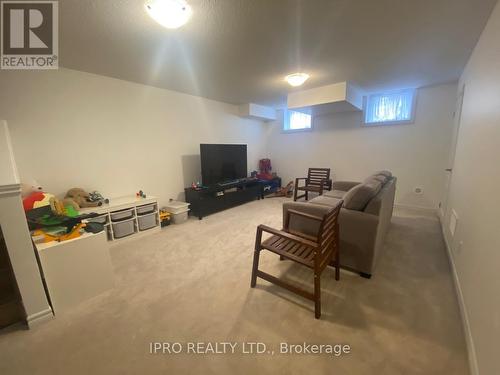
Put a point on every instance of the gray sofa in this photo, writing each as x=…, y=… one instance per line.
x=364, y=219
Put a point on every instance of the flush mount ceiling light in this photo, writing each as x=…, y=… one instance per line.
x=169, y=13
x=296, y=79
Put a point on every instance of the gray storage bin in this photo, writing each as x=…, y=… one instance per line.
x=122, y=215
x=102, y=219
x=146, y=209
x=123, y=228
x=147, y=221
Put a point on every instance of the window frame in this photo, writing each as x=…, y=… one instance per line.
x=413, y=111
x=286, y=119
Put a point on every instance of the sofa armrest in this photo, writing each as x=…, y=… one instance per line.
x=344, y=185
x=358, y=237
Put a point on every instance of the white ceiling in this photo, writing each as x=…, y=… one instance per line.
x=238, y=51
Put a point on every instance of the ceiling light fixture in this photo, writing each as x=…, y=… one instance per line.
x=296, y=79
x=169, y=13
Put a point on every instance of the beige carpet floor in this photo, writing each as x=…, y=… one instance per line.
x=190, y=283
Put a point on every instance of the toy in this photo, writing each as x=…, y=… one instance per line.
x=197, y=185
x=75, y=232
x=81, y=198
x=265, y=169
x=95, y=196
x=31, y=193
x=34, y=197
x=286, y=191
x=165, y=217
x=140, y=194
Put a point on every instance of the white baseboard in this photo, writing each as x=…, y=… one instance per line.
x=426, y=210
x=471, y=350
x=36, y=319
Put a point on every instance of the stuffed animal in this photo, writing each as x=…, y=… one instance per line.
x=81, y=198
x=34, y=197
x=30, y=195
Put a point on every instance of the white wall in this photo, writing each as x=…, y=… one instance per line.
x=74, y=129
x=474, y=195
x=415, y=153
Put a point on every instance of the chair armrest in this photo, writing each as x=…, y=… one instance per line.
x=301, y=178
x=281, y=233
x=322, y=185
x=344, y=185
x=328, y=184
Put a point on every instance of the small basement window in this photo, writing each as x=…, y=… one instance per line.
x=390, y=108
x=296, y=121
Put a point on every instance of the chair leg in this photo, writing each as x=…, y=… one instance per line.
x=337, y=266
x=317, y=296
x=307, y=195
x=256, y=256
x=295, y=194
x=282, y=257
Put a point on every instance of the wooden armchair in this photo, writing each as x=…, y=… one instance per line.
x=315, y=252
x=317, y=180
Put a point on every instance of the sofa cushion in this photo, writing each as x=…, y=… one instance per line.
x=358, y=197
x=384, y=173
x=325, y=201
x=339, y=194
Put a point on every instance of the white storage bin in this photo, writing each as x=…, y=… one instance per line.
x=176, y=207
x=180, y=217
x=122, y=215
x=102, y=219
x=146, y=209
x=147, y=221
x=124, y=228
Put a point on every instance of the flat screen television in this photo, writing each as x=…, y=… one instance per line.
x=222, y=163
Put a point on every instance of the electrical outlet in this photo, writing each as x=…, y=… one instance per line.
x=418, y=190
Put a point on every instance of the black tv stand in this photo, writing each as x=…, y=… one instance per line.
x=219, y=197
x=228, y=183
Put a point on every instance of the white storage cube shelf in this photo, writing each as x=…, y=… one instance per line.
x=127, y=216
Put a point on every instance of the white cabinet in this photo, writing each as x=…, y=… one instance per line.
x=76, y=270
x=127, y=216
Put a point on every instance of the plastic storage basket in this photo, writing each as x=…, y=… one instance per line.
x=122, y=215
x=180, y=217
x=176, y=207
x=147, y=221
x=146, y=209
x=124, y=228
